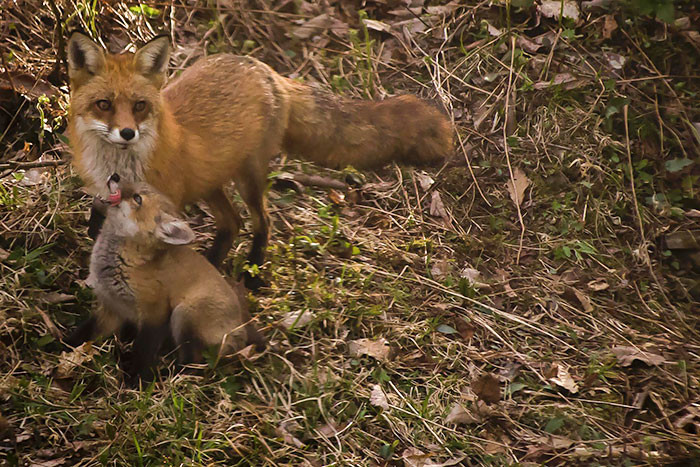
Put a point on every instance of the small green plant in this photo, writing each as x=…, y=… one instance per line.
x=575, y=250
x=143, y=9
x=661, y=9
x=362, y=49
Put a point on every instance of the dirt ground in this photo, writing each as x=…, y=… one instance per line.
x=534, y=301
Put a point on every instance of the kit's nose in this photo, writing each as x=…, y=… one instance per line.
x=127, y=133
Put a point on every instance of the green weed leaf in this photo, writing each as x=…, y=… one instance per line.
x=445, y=329
x=676, y=165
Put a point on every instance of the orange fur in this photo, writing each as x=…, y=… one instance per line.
x=225, y=118
x=144, y=273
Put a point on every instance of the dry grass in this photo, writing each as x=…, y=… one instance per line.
x=578, y=268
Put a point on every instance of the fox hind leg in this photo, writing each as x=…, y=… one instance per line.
x=190, y=346
x=251, y=184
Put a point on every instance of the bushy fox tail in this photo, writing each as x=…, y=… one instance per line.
x=336, y=132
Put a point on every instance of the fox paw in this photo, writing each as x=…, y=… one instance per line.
x=252, y=282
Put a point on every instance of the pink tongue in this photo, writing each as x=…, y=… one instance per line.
x=115, y=198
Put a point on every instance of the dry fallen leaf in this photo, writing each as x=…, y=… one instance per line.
x=470, y=274
x=414, y=457
x=246, y=353
x=50, y=462
x=4, y=254
x=683, y=240
x=517, y=186
x=493, y=31
x=510, y=371
x=553, y=8
x=464, y=328
x=564, y=379
x=377, y=25
x=598, y=285
x=283, y=432
x=443, y=9
x=626, y=355
x=424, y=180
x=567, y=79
x=693, y=37
x=56, y=297
x=691, y=421
x=377, y=397
x=609, y=26
x=487, y=388
x=440, y=269
x=33, y=177
x=437, y=208
x=560, y=442
x=378, y=349
x=583, y=299
x=336, y=197
x=528, y=44
x=329, y=429
x=27, y=84
x=313, y=26
x=68, y=361
x=460, y=416
x=297, y=319
x=616, y=61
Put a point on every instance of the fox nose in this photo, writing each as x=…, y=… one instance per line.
x=127, y=133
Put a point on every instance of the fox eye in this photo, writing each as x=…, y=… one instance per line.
x=137, y=198
x=139, y=106
x=103, y=104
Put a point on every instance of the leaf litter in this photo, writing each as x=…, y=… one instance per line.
x=569, y=131
x=627, y=355
x=517, y=186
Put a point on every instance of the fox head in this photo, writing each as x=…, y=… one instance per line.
x=138, y=212
x=116, y=98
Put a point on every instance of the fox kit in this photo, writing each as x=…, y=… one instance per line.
x=224, y=118
x=144, y=275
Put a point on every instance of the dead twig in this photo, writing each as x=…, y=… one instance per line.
x=643, y=250
x=32, y=165
x=507, y=151
x=319, y=181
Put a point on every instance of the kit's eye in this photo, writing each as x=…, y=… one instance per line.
x=139, y=106
x=103, y=104
x=137, y=198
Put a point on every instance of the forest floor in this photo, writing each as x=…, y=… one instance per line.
x=534, y=301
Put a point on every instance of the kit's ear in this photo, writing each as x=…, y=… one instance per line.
x=173, y=231
x=152, y=59
x=85, y=58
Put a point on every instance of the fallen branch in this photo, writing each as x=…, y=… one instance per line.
x=294, y=182
x=317, y=180
x=32, y=165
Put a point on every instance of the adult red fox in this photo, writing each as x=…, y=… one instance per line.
x=144, y=276
x=224, y=118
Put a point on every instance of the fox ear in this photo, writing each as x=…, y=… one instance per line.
x=85, y=57
x=152, y=59
x=173, y=231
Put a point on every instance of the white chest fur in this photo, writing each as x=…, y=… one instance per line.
x=101, y=158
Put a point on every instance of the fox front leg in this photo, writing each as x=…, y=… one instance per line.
x=86, y=331
x=100, y=323
x=97, y=217
x=147, y=344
